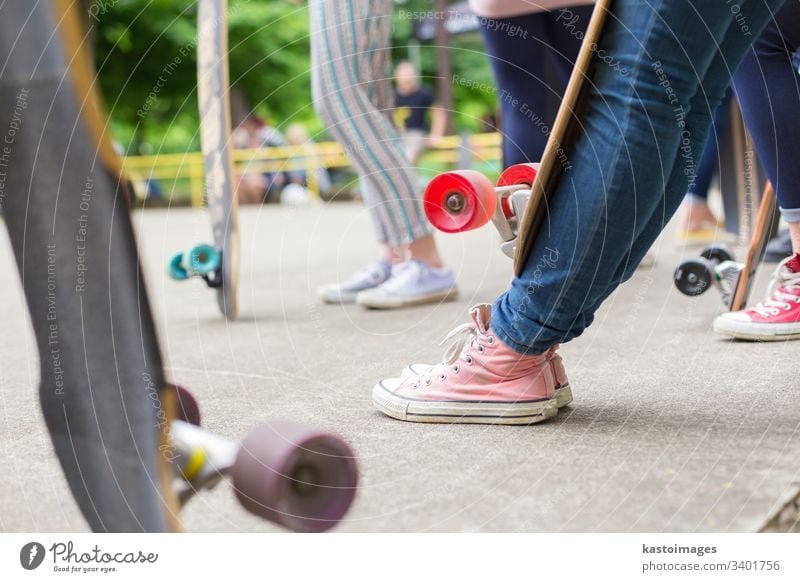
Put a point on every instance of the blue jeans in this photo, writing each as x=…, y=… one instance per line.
x=709, y=160
x=666, y=66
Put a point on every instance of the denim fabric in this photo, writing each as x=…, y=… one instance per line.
x=664, y=70
x=709, y=161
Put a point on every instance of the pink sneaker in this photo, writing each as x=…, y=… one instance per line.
x=774, y=319
x=563, y=389
x=482, y=380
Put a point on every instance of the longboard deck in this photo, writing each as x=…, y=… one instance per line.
x=565, y=129
x=761, y=234
x=215, y=137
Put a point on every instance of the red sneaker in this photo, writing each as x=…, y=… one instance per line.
x=774, y=319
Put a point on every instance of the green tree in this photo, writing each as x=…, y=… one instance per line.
x=145, y=54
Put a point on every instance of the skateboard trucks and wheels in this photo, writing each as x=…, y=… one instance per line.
x=202, y=261
x=298, y=477
x=465, y=200
x=715, y=267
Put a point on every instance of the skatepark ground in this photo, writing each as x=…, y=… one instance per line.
x=672, y=428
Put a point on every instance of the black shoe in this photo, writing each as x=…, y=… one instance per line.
x=778, y=248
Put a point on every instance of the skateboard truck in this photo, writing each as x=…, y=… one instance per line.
x=202, y=261
x=465, y=200
x=298, y=477
x=715, y=267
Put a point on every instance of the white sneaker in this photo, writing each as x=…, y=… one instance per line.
x=373, y=275
x=411, y=283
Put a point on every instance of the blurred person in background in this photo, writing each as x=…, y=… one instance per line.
x=413, y=102
x=353, y=94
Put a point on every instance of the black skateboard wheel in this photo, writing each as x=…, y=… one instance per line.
x=299, y=477
x=694, y=277
x=719, y=253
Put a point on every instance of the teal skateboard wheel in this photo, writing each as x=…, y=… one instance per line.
x=202, y=260
x=176, y=270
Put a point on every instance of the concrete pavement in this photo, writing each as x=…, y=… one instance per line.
x=672, y=429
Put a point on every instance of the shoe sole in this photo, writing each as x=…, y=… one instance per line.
x=438, y=411
x=563, y=394
x=338, y=301
x=396, y=303
x=779, y=332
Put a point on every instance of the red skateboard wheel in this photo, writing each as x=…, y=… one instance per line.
x=459, y=201
x=517, y=174
x=299, y=477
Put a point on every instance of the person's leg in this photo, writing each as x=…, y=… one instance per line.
x=629, y=169
x=694, y=129
x=770, y=109
x=413, y=143
x=350, y=41
x=381, y=93
x=518, y=48
x=768, y=87
x=518, y=67
x=565, y=30
x=697, y=216
x=341, y=51
x=628, y=172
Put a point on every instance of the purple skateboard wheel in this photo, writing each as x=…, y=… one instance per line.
x=188, y=407
x=295, y=476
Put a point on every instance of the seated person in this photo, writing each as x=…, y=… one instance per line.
x=258, y=187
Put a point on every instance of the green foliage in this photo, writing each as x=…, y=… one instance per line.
x=471, y=100
x=145, y=54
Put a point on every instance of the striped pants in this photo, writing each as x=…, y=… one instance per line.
x=353, y=94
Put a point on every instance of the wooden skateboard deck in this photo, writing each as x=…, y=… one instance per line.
x=215, y=136
x=565, y=129
x=129, y=442
x=762, y=229
x=716, y=267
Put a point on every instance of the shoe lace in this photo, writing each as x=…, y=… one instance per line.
x=466, y=335
x=371, y=272
x=402, y=275
x=778, y=295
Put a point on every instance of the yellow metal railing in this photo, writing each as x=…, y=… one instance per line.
x=452, y=150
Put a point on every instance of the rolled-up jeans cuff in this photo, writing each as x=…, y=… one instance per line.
x=791, y=214
x=501, y=329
